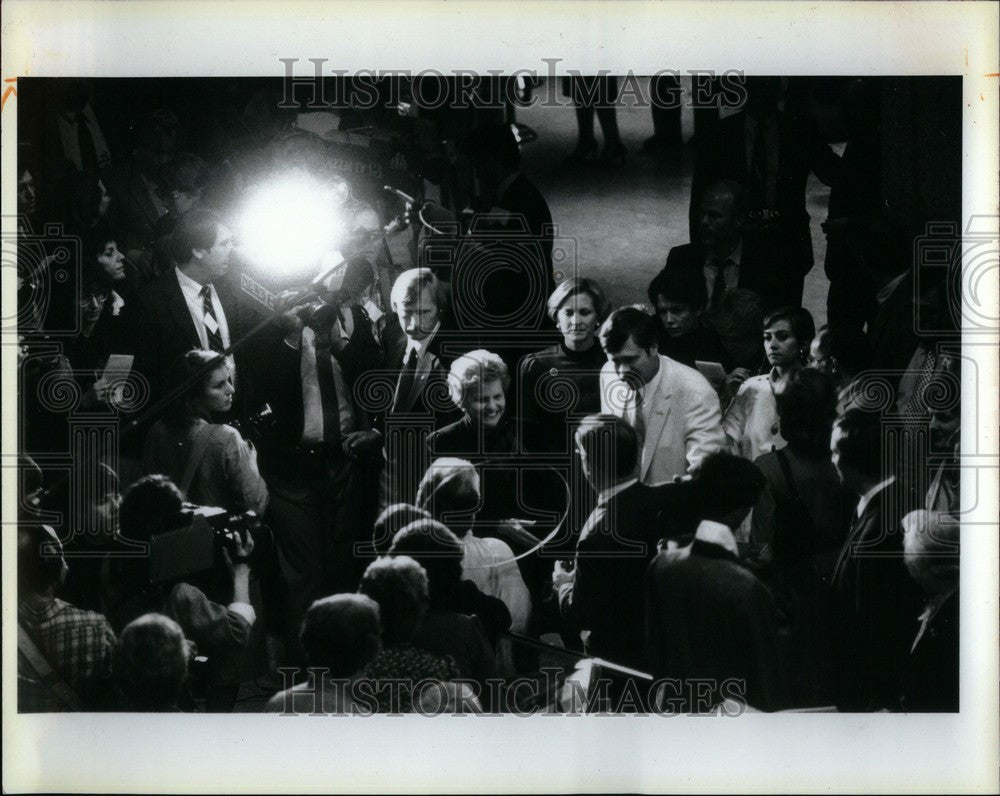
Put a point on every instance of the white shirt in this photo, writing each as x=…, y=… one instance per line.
x=313, y=429
x=192, y=295
x=712, y=532
x=491, y=565
x=868, y=496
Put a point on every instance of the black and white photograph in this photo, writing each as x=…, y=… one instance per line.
x=386, y=413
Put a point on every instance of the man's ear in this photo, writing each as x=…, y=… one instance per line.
x=198, y=253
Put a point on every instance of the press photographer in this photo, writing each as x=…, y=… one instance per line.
x=197, y=573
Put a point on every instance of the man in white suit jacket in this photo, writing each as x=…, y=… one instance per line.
x=672, y=407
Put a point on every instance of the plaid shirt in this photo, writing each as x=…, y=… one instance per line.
x=78, y=644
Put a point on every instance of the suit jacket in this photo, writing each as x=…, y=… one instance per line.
x=160, y=329
x=279, y=379
x=800, y=152
x=708, y=617
x=755, y=268
x=877, y=603
x=684, y=422
x=615, y=547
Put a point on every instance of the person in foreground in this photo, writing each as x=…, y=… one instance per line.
x=708, y=618
x=341, y=635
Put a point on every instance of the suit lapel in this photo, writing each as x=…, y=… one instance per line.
x=660, y=410
x=859, y=526
x=178, y=309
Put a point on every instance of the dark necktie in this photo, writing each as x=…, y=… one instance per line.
x=328, y=395
x=212, y=328
x=405, y=382
x=719, y=285
x=88, y=150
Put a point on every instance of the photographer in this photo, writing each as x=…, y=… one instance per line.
x=319, y=451
x=212, y=606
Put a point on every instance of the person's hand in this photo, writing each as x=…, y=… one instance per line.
x=96, y=395
x=561, y=575
x=284, y=302
x=243, y=547
x=734, y=379
x=358, y=442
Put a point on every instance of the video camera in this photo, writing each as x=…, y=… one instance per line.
x=196, y=544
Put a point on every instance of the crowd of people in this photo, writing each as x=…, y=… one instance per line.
x=411, y=496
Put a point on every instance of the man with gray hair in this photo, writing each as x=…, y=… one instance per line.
x=603, y=591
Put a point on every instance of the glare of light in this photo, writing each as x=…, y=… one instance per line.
x=289, y=224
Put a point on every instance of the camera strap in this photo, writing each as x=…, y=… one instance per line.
x=26, y=646
x=200, y=444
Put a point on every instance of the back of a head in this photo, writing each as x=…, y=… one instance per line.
x=341, y=633
x=151, y=662
x=392, y=520
x=399, y=586
x=39, y=559
x=196, y=230
x=859, y=444
x=626, y=323
x=611, y=448
x=849, y=347
x=807, y=407
x=726, y=485
x=679, y=285
x=449, y=490
x=437, y=550
x=150, y=506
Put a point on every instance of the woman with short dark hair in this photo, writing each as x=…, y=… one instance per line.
x=751, y=419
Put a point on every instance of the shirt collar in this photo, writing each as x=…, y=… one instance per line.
x=611, y=491
x=420, y=346
x=868, y=496
x=711, y=532
x=191, y=287
x=117, y=302
x=734, y=256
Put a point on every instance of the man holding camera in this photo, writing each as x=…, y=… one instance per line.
x=318, y=450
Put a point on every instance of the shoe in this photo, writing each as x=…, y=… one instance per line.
x=614, y=154
x=585, y=152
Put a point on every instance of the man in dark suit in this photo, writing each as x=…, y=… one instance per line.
x=318, y=450
x=708, y=618
x=602, y=593
x=187, y=307
x=875, y=598
x=415, y=374
x=723, y=255
x=771, y=150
